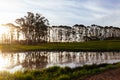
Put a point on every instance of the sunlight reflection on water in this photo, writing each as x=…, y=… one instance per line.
x=42, y=59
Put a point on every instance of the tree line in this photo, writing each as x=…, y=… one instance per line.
x=80, y=33
x=35, y=28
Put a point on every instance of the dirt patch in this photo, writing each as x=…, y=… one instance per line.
x=113, y=74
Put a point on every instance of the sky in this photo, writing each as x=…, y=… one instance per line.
x=64, y=12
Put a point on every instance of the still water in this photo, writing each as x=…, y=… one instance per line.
x=43, y=59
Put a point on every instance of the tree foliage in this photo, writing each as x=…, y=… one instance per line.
x=34, y=27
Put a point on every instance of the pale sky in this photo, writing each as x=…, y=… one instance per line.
x=64, y=12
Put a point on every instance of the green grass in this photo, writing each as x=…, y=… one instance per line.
x=112, y=45
x=57, y=73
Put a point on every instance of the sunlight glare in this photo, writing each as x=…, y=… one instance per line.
x=3, y=29
x=3, y=63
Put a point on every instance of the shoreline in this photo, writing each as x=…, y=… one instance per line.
x=62, y=51
x=59, y=73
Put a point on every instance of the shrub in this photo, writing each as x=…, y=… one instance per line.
x=52, y=69
x=63, y=77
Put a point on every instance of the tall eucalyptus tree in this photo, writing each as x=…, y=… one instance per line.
x=34, y=27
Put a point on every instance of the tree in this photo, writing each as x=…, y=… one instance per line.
x=12, y=29
x=34, y=27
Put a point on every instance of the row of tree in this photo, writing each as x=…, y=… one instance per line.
x=79, y=33
x=34, y=28
x=31, y=29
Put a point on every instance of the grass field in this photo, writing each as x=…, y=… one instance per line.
x=113, y=45
x=57, y=73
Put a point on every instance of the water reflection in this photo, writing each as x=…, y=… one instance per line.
x=43, y=59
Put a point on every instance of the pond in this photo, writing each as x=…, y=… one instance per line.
x=43, y=59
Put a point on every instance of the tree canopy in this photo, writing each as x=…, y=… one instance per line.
x=34, y=27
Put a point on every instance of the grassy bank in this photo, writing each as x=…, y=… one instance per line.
x=113, y=45
x=57, y=73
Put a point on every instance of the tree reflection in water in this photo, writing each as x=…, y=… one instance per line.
x=43, y=59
